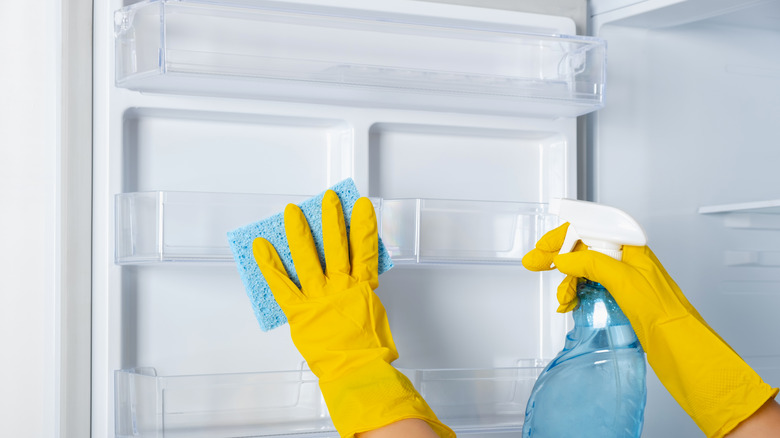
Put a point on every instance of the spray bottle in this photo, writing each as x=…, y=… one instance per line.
x=595, y=387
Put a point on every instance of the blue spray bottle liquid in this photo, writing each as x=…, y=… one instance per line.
x=595, y=387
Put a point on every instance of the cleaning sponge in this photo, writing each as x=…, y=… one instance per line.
x=267, y=311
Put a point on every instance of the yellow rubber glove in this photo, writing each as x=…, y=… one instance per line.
x=706, y=377
x=338, y=323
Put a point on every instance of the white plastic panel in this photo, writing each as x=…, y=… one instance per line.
x=167, y=149
x=406, y=161
x=278, y=51
x=293, y=149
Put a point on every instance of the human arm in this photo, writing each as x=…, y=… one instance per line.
x=698, y=368
x=339, y=324
x=764, y=423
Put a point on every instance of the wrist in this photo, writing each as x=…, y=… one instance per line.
x=373, y=396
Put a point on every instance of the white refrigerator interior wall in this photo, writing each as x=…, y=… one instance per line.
x=690, y=124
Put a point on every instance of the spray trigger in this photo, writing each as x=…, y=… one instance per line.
x=602, y=228
x=568, y=242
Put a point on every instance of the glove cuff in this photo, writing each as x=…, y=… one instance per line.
x=706, y=377
x=373, y=396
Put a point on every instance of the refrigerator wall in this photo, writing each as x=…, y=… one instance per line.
x=688, y=145
x=45, y=188
x=459, y=123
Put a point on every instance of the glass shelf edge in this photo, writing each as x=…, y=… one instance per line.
x=771, y=206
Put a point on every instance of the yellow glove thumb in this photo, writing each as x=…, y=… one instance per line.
x=541, y=259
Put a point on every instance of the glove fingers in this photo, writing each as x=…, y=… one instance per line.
x=334, y=236
x=567, y=294
x=541, y=257
x=537, y=260
x=304, y=252
x=596, y=267
x=553, y=239
x=364, y=243
x=284, y=290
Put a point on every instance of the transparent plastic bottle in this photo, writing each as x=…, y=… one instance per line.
x=595, y=387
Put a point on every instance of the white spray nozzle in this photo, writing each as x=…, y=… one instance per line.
x=602, y=228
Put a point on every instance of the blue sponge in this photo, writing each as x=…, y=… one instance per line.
x=267, y=311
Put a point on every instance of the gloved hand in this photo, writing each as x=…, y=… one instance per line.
x=706, y=377
x=338, y=323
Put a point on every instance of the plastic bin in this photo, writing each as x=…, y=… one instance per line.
x=167, y=226
x=289, y=403
x=273, y=50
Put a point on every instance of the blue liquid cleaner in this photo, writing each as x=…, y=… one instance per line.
x=595, y=387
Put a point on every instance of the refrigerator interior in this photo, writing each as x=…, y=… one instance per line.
x=211, y=116
x=687, y=144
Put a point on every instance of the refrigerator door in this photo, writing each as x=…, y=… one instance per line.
x=459, y=123
x=687, y=146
